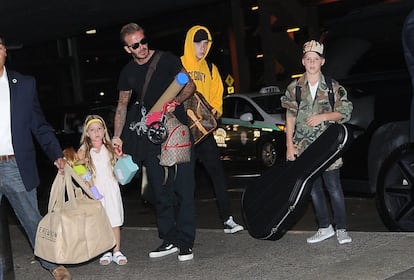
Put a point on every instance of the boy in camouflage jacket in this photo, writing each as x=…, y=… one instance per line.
x=305, y=124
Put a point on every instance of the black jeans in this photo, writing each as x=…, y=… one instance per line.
x=174, y=201
x=208, y=153
x=333, y=186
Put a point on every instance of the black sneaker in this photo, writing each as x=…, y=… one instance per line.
x=185, y=254
x=164, y=250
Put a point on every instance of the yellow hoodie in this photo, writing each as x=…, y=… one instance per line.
x=208, y=84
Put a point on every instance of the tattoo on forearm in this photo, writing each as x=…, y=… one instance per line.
x=121, y=112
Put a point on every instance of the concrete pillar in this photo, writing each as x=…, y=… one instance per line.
x=240, y=62
x=6, y=256
x=75, y=69
x=69, y=71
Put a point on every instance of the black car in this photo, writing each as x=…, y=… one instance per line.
x=364, y=52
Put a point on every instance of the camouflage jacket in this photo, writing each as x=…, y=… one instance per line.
x=304, y=134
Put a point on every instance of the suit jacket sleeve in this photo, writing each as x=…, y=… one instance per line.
x=28, y=121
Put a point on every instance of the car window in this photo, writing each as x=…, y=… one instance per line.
x=269, y=103
x=243, y=106
x=366, y=41
x=234, y=107
x=380, y=60
x=228, y=108
x=364, y=53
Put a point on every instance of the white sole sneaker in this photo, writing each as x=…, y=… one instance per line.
x=183, y=258
x=185, y=255
x=345, y=241
x=343, y=237
x=321, y=235
x=158, y=254
x=233, y=230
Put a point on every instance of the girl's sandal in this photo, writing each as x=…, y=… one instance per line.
x=105, y=259
x=119, y=258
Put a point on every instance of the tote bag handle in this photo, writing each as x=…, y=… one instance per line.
x=57, y=192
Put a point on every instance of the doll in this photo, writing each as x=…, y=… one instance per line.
x=81, y=170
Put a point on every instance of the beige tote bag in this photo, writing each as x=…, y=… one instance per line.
x=76, y=227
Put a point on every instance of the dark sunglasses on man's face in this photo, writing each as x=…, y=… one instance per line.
x=136, y=45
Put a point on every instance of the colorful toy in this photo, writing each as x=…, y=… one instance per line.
x=82, y=171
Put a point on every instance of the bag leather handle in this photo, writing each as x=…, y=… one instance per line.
x=196, y=121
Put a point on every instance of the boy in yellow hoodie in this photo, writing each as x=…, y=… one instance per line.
x=208, y=82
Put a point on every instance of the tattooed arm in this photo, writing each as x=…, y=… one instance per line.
x=120, y=115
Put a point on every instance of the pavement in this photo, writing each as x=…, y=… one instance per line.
x=374, y=253
x=371, y=255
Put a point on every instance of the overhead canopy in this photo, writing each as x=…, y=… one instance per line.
x=28, y=21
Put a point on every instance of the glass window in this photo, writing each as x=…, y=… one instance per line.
x=269, y=103
x=243, y=106
x=228, y=108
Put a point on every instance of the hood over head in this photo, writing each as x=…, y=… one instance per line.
x=196, y=33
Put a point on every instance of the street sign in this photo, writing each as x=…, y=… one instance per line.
x=229, y=80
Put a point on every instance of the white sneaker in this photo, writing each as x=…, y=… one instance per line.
x=342, y=236
x=231, y=227
x=321, y=235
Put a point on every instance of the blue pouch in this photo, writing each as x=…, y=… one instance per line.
x=125, y=169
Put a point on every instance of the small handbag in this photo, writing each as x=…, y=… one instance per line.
x=201, y=116
x=76, y=227
x=177, y=147
x=125, y=169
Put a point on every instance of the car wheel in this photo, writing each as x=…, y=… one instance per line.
x=268, y=154
x=395, y=192
x=386, y=139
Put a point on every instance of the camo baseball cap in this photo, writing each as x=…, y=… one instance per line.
x=313, y=46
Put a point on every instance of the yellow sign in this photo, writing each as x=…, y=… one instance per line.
x=229, y=80
x=230, y=90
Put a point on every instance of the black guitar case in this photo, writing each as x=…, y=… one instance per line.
x=274, y=202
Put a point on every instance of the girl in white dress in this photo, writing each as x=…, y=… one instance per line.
x=98, y=155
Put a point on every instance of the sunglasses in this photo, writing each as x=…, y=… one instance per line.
x=136, y=45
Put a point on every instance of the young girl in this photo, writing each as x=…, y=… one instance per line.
x=99, y=157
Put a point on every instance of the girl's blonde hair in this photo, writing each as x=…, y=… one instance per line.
x=86, y=143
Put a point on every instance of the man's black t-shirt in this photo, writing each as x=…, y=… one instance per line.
x=132, y=77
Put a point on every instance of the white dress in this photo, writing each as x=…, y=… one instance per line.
x=108, y=186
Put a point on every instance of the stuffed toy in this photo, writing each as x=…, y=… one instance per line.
x=81, y=170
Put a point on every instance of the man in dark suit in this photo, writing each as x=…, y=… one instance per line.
x=21, y=118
